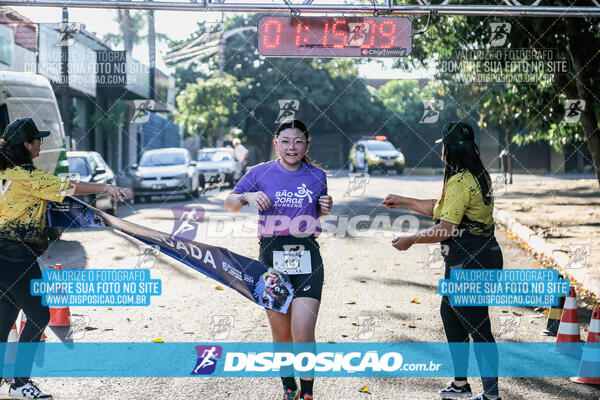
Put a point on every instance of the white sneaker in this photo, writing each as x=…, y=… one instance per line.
x=28, y=391
x=4, y=386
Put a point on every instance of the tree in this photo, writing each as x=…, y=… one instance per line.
x=206, y=107
x=527, y=112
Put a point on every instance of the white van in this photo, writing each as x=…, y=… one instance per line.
x=27, y=95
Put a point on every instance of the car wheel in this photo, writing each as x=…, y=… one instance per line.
x=399, y=170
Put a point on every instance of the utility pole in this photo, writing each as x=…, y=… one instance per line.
x=65, y=106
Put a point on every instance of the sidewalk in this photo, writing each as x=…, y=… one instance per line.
x=563, y=217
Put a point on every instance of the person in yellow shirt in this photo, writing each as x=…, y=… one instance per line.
x=24, y=190
x=465, y=228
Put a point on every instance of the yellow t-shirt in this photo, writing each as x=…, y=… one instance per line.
x=462, y=196
x=23, y=194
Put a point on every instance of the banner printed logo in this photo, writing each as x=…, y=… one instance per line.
x=207, y=359
x=500, y=31
x=573, y=111
x=287, y=110
x=431, y=112
x=186, y=222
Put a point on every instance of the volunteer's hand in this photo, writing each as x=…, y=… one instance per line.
x=325, y=203
x=259, y=199
x=393, y=201
x=403, y=242
x=119, y=193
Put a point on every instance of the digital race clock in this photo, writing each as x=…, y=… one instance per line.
x=334, y=37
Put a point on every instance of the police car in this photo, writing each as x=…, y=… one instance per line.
x=375, y=153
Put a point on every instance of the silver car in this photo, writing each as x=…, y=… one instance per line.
x=168, y=171
x=219, y=160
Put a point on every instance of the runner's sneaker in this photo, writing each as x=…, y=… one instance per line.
x=4, y=386
x=482, y=396
x=455, y=392
x=307, y=397
x=27, y=391
x=290, y=394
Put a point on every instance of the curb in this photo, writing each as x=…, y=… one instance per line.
x=548, y=252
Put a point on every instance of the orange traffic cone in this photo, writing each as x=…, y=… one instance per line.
x=589, y=369
x=23, y=322
x=60, y=316
x=11, y=348
x=568, y=330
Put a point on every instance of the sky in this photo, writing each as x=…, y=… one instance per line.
x=177, y=25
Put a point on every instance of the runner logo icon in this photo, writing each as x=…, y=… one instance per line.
x=207, y=359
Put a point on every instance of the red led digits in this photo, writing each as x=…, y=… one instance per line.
x=325, y=32
x=391, y=35
x=277, y=39
x=298, y=33
x=340, y=34
x=372, y=31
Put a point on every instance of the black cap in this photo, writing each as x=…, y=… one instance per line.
x=457, y=133
x=22, y=130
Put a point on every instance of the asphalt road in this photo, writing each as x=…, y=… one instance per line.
x=364, y=278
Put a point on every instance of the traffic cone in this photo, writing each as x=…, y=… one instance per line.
x=60, y=316
x=568, y=331
x=23, y=322
x=11, y=346
x=589, y=369
x=554, y=318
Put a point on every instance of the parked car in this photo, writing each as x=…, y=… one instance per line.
x=91, y=167
x=219, y=160
x=169, y=171
x=375, y=152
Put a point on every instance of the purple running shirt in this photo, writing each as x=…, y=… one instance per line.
x=294, y=195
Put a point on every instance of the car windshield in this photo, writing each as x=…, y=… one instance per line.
x=214, y=155
x=79, y=166
x=161, y=159
x=380, y=145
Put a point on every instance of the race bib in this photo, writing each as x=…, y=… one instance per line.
x=292, y=261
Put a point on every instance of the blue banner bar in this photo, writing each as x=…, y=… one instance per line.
x=244, y=359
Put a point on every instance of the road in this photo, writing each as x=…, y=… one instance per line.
x=364, y=278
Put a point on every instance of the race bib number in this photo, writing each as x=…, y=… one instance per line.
x=292, y=262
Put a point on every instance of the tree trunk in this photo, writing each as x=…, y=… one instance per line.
x=579, y=48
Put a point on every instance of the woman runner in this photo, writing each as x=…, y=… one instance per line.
x=291, y=194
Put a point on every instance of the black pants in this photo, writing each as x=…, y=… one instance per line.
x=18, y=266
x=462, y=322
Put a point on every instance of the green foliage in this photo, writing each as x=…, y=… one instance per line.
x=110, y=122
x=206, y=107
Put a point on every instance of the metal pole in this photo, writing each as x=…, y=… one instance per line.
x=64, y=80
x=472, y=10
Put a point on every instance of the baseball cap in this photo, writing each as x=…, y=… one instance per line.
x=22, y=130
x=456, y=133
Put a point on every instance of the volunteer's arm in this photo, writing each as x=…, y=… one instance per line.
x=437, y=233
x=423, y=207
x=259, y=199
x=118, y=193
